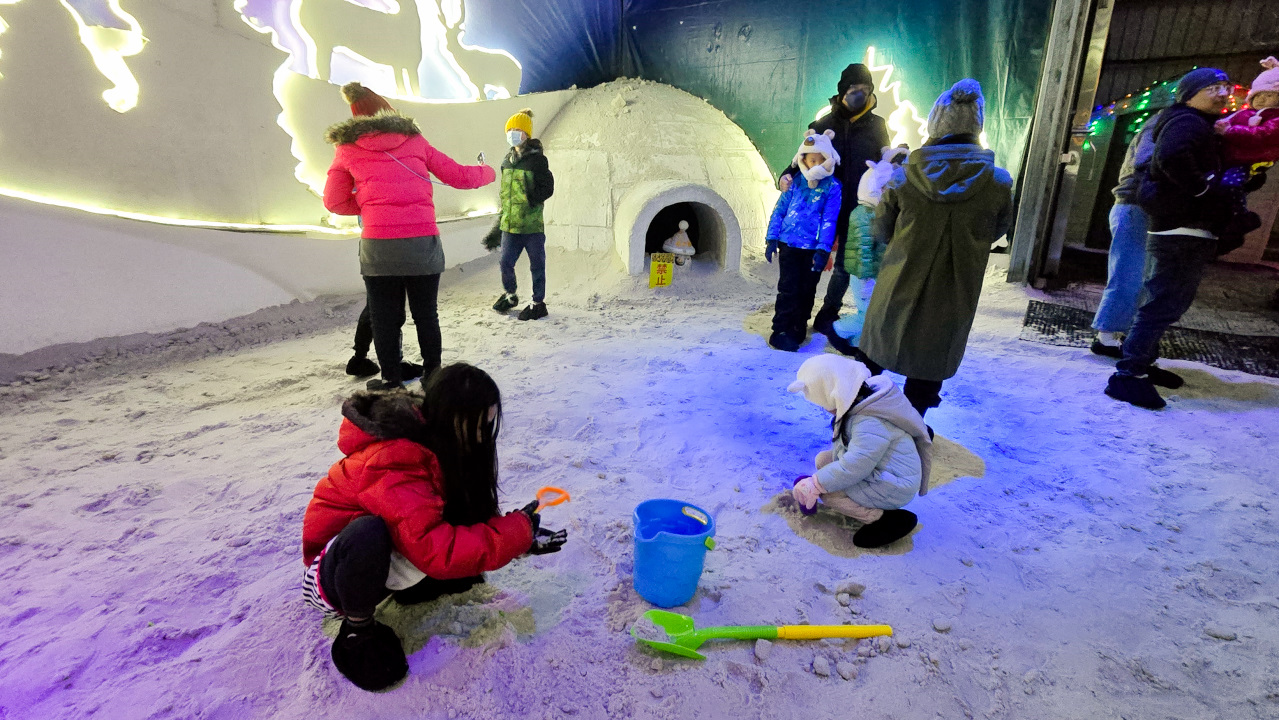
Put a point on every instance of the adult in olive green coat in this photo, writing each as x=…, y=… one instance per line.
x=939, y=215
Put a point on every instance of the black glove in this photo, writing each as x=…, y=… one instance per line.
x=493, y=240
x=819, y=260
x=534, y=517
x=546, y=541
x=770, y=249
x=1255, y=182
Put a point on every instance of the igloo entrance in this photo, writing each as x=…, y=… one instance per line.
x=706, y=230
x=651, y=212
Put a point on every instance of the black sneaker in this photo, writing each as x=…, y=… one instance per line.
x=535, y=311
x=1135, y=390
x=506, y=302
x=369, y=656
x=1111, y=351
x=893, y=526
x=783, y=341
x=362, y=366
x=1164, y=378
x=410, y=371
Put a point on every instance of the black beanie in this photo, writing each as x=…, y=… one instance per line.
x=855, y=74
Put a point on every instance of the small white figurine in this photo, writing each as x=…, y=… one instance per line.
x=679, y=245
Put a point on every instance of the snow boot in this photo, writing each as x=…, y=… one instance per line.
x=377, y=384
x=410, y=371
x=841, y=344
x=1164, y=378
x=1111, y=351
x=362, y=366
x=506, y=302
x=535, y=311
x=893, y=526
x=783, y=341
x=369, y=655
x=1134, y=390
x=431, y=589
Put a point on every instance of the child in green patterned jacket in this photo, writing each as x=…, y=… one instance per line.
x=862, y=252
x=526, y=184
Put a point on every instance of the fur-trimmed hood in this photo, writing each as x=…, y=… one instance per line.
x=382, y=416
x=348, y=131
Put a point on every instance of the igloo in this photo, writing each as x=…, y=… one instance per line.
x=631, y=158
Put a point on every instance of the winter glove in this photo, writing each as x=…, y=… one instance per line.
x=819, y=260
x=546, y=541
x=534, y=517
x=1234, y=177
x=493, y=240
x=770, y=249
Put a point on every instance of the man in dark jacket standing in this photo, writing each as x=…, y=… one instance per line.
x=1187, y=200
x=860, y=135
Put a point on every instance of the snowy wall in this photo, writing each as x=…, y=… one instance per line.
x=69, y=276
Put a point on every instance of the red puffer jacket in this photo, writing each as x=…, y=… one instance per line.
x=1250, y=139
x=398, y=480
x=386, y=162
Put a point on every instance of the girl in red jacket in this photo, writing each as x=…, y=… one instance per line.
x=411, y=512
x=382, y=172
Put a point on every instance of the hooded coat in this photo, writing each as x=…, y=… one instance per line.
x=881, y=448
x=939, y=216
x=386, y=474
x=381, y=171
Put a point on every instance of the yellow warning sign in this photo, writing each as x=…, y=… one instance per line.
x=660, y=269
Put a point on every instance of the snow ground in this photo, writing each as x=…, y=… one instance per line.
x=1081, y=558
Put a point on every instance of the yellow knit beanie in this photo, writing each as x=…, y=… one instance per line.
x=523, y=121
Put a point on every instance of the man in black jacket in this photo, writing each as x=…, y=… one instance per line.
x=860, y=135
x=1187, y=199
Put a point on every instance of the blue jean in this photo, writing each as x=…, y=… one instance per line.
x=1175, y=267
x=1126, y=268
x=512, y=245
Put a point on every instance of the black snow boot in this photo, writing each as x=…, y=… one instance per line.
x=1134, y=390
x=369, y=655
x=506, y=302
x=1164, y=378
x=783, y=341
x=362, y=366
x=409, y=370
x=893, y=526
x=535, y=311
x=1110, y=351
x=430, y=589
x=840, y=344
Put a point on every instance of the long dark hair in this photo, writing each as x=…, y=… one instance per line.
x=457, y=429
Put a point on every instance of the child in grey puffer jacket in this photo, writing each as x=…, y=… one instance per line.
x=880, y=453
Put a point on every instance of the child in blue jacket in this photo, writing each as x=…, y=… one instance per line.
x=801, y=233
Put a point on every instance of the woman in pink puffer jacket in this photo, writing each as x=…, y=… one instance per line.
x=381, y=171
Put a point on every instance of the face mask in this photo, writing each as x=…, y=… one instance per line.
x=855, y=101
x=514, y=137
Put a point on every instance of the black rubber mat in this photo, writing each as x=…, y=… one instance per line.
x=1071, y=327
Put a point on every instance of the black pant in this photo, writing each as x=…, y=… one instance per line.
x=921, y=394
x=796, y=291
x=386, y=295
x=835, y=288
x=353, y=571
x=363, y=333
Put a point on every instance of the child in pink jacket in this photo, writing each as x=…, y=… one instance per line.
x=1251, y=136
x=382, y=172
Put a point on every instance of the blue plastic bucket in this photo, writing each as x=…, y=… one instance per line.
x=671, y=540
